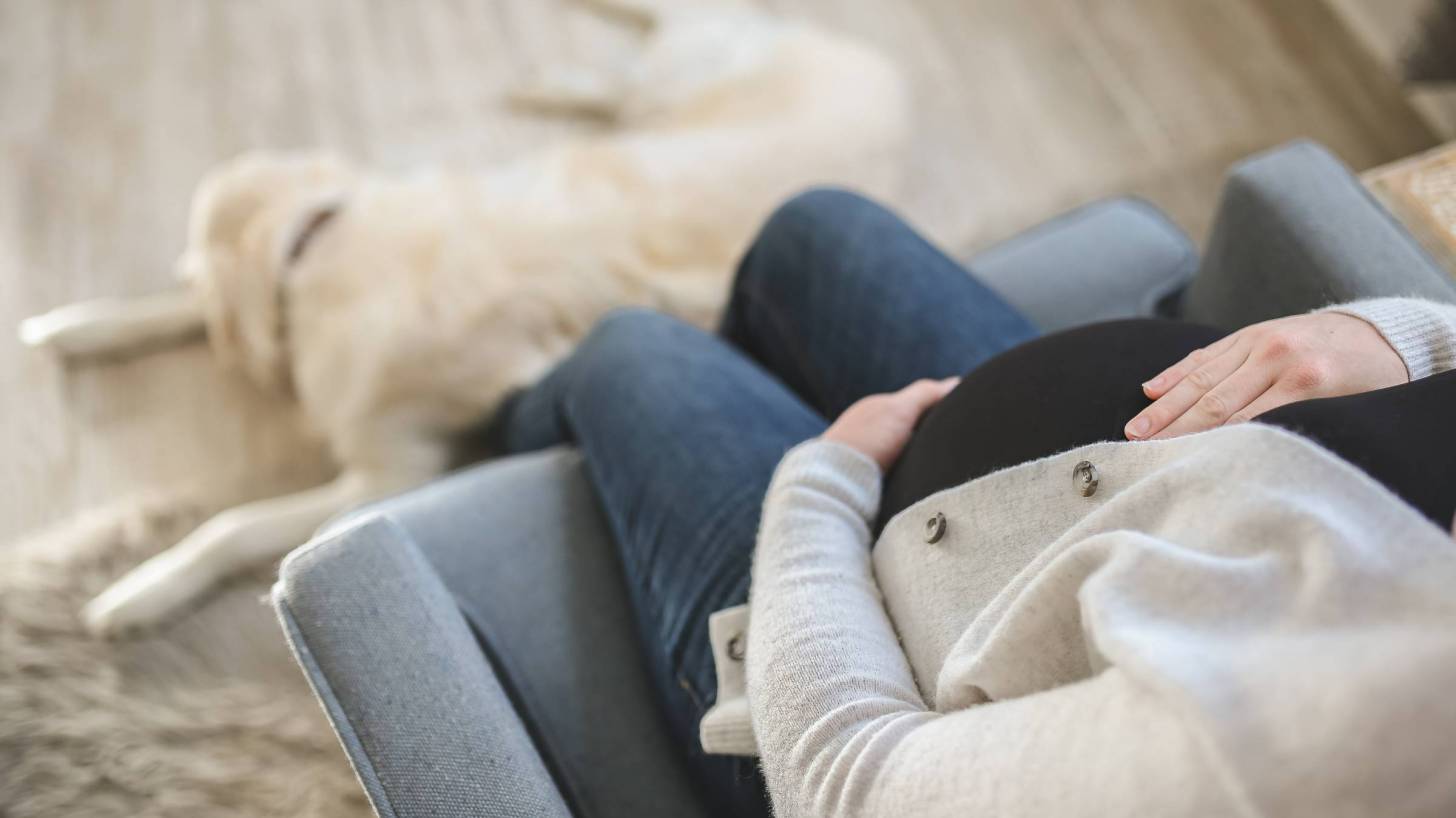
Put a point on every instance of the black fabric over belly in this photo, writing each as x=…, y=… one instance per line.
x=1083, y=385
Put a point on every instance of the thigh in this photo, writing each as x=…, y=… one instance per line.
x=839, y=298
x=681, y=435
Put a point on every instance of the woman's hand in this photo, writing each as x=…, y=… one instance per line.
x=1320, y=355
x=880, y=425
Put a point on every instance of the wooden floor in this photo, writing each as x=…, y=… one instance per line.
x=109, y=111
x=1386, y=29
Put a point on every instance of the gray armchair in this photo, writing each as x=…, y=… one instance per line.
x=471, y=641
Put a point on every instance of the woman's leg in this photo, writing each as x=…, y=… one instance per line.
x=840, y=299
x=681, y=435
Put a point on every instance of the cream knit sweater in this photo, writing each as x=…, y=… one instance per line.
x=1234, y=623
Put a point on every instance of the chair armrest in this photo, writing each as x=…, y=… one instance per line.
x=1296, y=230
x=427, y=726
x=521, y=546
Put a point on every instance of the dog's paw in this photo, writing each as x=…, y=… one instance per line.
x=65, y=330
x=38, y=331
x=148, y=596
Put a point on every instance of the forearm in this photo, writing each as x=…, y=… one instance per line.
x=829, y=686
x=1422, y=332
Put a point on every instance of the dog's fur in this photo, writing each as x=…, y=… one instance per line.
x=398, y=310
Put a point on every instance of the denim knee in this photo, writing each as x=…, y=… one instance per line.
x=818, y=212
x=625, y=331
x=627, y=341
x=629, y=354
x=815, y=234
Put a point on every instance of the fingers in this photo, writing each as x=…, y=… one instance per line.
x=1193, y=389
x=880, y=425
x=1277, y=396
x=1159, y=384
x=1224, y=403
x=925, y=393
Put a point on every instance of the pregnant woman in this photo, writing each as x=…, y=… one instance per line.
x=1141, y=567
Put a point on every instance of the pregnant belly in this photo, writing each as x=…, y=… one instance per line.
x=1055, y=393
x=1082, y=385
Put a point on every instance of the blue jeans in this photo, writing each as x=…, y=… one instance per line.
x=681, y=430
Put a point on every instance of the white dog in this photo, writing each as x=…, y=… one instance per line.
x=399, y=310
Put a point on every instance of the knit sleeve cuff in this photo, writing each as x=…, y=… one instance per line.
x=834, y=470
x=1422, y=332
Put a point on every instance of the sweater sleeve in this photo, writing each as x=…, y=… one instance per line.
x=1422, y=332
x=841, y=726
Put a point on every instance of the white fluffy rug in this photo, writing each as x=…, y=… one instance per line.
x=206, y=718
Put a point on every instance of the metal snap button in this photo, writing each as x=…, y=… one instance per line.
x=736, y=648
x=1085, y=478
x=935, y=528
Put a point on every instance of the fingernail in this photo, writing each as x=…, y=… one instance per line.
x=1154, y=383
x=1137, y=428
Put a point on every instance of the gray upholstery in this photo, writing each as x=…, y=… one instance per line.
x=1111, y=259
x=522, y=549
x=377, y=610
x=425, y=724
x=1296, y=230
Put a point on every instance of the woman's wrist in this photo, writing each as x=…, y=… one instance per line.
x=1422, y=333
